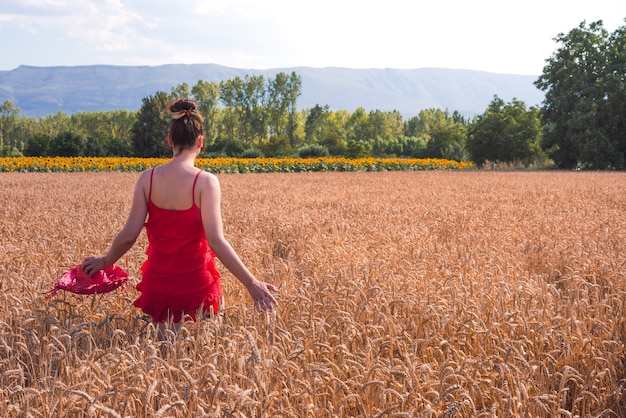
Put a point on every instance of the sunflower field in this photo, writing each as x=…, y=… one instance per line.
x=229, y=165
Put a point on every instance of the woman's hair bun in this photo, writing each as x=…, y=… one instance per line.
x=183, y=105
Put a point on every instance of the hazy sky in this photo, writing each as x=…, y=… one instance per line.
x=487, y=35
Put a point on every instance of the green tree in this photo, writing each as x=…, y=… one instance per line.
x=102, y=127
x=583, y=110
x=207, y=95
x=385, y=125
x=118, y=126
x=357, y=127
x=180, y=91
x=356, y=149
x=67, y=144
x=231, y=95
x=506, y=132
x=54, y=124
x=9, y=117
x=444, y=133
x=277, y=104
x=224, y=147
x=401, y=146
x=90, y=125
x=38, y=146
x=332, y=132
x=149, y=132
x=293, y=90
x=22, y=130
x=315, y=122
x=283, y=93
x=94, y=148
x=334, y=143
x=276, y=146
x=116, y=147
x=246, y=100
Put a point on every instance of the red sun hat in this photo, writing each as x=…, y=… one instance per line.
x=75, y=280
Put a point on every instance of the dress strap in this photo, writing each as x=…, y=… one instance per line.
x=193, y=189
x=150, y=192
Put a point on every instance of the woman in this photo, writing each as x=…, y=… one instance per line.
x=185, y=233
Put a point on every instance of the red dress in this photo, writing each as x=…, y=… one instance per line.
x=179, y=277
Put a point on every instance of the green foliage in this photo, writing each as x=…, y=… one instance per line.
x=313, y=151
x=259, y=118
x=506, y=132
x=383, y=124
x=101, y=128
x=315, y=122
x=224, y=147
x=257, y=108
x=149, y=132
x=180, y=91
x=445, y=134
x=207, y=95
x=115, y=147
x=252, y=153
x=357, y=128
x=447, y=142
x=38, y=146
x=54, y=124
x=9, y=151
x=9, y=128
x=412, y=147
x=282, y=95
x=67, y=144
x=584, y=112
x=334, y=143
x=400, y=146
x=276, y=146
x=94, y=148
x=356, y=149
x=246, y=98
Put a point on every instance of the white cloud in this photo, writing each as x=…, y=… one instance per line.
x=484, y=35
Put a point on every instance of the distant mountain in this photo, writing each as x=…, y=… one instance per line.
x=41, y=91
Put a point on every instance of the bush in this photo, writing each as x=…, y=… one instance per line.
x=277, y=146
x=313, y=151
x=252, y=153
x=335, y=144
x=226, y=147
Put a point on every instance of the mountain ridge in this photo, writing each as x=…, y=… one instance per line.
x=41, y=91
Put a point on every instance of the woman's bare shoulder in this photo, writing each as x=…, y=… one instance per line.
x=208, y=180
x=144, y=177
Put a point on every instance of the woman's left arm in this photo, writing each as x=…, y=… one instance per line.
x=212, y=221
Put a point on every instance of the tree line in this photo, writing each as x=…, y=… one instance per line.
x=581, y=123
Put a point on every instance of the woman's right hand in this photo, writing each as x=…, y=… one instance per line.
x=263, y=300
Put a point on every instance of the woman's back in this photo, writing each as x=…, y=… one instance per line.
x=172, y=187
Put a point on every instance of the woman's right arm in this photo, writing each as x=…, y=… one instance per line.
x=126, y=238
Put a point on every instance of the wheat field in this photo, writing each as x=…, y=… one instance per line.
x=402, y=294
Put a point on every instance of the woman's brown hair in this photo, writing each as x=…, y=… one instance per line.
x=187, y=123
